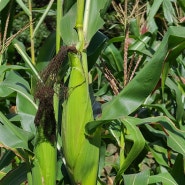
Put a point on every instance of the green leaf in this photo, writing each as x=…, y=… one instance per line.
x=133, y=134
x=46, y=52
x=16, y=176
x=113, y=55
x=159, y=152
x=27, y=113
x=43, y=17
x=168, y=10
x=95, y=47
x=4, y=68
x=68, y=33
x=137, y=179
x=68, y=4
x=152, y=12
x=136, y=136
x=24, y=7
x=6, y=158
x=180, y=104
x=136, y=92
x=21, y=50
x=11, y=136
x=16, y=83
x=178, y=170
x=141, y=45
x=134, y=27
x=92, y=19
x=165, y=178
x=3, y=3
x=175, y=137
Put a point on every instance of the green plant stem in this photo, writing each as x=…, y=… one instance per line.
x=86, y=17
x=42, y=17
x=79, y=24
x=31, y=33
x=59, y=17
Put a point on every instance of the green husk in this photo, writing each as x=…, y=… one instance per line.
x=81, y=153
x=44, y=170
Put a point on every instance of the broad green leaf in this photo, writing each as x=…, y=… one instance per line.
x=11, y=136
x=168, y=10
x=141, y=44
x=17, y=176
x=137, y=179
x=68, y=4
x=4, y=68
x=115, y=130
x=180, y=104
x=134, y=27
x=135, y=93
x=152, y=12
x=176, y=46
x=6, y=158
x=178, y=170
x=159, y=152
x=68, y=33
x=27, y=113
x=3, y=3
x=133, y=134
x=138, y=140
x=5, y=91
x=46, y=52
x=164, y=178
x=92, y=19
x=16, y=83
x=175, y=137
x=113, y=55
x=95, y=47
x=162, y=108
x=102, y=158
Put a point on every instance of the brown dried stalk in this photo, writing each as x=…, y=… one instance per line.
x=135, y=68
x=125, y=61
x=110, y=77
x=131, y=63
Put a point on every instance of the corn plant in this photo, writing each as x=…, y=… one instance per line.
x=56, y=130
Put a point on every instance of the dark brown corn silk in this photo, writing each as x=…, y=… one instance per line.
x=45, y=118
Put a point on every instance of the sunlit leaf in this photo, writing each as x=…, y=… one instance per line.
x=3, y=3
x=68, y=33
x=11, y=136
x=137, y=179
x=135, y=93
x=165, y=178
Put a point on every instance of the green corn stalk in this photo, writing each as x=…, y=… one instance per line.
x=81, y=153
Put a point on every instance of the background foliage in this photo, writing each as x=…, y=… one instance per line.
x=136, y=68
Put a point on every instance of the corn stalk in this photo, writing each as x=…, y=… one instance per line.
x=80, y=151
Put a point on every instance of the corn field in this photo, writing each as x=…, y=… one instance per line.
x=92, y=92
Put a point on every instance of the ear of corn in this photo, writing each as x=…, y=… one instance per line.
x=44, y=165
x=81, y=153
